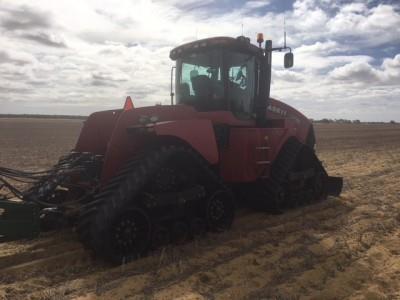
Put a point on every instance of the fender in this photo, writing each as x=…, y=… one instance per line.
x=96, y=131
x=198, y=133
x=129, y=136
x=293, y=118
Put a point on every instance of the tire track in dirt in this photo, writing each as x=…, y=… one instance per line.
x=234, y=244
x=225, y=252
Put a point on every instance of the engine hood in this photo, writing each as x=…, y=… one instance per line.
x=279, y=110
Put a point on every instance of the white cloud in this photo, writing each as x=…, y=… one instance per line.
x=374, y=27
x=256, y=4
x=77, y=57
x=354, y=8
x=356, y=72
x=362, y=72
x=307, y=16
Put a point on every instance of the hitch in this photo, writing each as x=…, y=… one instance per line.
x=46, y=204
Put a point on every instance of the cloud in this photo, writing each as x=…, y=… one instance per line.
x=370, y=27
x=309, y=16
x=354, y=8
x=321, y=48
x=356, y=72
x=24, y=17
x=288, y=76
x=387, y=74
x=83, y=58
x=107, y=79
x=256, y=4
x=6, y=58
x=45, y=39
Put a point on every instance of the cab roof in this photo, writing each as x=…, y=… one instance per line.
x=240, y=43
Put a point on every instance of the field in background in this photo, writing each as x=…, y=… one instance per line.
x=343, y=247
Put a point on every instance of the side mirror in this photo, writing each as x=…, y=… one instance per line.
x=288, y=60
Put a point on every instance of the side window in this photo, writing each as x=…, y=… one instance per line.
x=241, y=83
x=238, y=75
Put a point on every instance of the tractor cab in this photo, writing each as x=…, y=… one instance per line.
x=223, y=74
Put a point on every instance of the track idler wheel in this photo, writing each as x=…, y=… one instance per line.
x=220, y=211
x=131, y=234
x=319, y=186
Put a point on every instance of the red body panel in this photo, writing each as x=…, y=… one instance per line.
x=292, y=117
x=197, y=133
x=250, y=152
x=96, y=131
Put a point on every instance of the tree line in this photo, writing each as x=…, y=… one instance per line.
x=346, y=121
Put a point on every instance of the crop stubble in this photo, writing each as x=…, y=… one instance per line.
x=345, y=247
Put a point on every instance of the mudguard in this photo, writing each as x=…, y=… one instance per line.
x=198, y=133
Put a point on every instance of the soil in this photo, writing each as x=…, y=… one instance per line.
x=345, y=247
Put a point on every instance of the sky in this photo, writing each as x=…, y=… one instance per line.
x=77, y=57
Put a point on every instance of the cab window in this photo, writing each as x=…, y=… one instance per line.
x=200, y=81
x=241, y=83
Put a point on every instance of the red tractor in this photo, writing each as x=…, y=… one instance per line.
x=140, y=178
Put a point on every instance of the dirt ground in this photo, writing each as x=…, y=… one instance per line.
x=347, y=247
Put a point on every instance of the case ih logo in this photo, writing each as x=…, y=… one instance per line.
x=277, y=110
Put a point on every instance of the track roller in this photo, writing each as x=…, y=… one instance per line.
x=220, y=211
x=198, y=227
x=161, y=236
x=131, y=234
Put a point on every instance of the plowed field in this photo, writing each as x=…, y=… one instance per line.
x=347, y=247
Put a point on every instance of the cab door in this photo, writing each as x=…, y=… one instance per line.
x=247, y=155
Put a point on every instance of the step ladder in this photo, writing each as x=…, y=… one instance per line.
x=264, y=150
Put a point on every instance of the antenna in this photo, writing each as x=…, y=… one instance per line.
x=284, y=32
x=242, y=28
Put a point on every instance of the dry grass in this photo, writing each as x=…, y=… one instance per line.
x=346, y=247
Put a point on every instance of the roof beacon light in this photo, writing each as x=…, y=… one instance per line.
x=128, y=104
x=260, y=39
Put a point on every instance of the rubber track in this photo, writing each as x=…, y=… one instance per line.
x=282, y=166
x=120, y=192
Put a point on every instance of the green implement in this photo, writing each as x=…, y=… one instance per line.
x=18, y=220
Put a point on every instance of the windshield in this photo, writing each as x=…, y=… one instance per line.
x=216, y=80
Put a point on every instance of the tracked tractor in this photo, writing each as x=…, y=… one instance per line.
x=142, y=178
